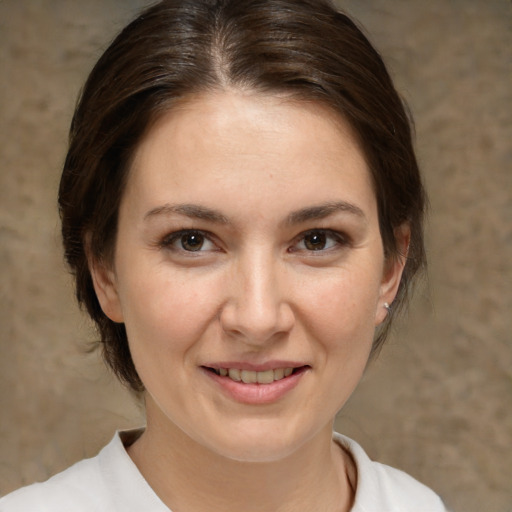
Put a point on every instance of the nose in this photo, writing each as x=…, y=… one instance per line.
x=257, y=309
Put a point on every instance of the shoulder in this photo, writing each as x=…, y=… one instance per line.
x=79, y=488
x=106, y=483
x=383, y=488
x=79, y=485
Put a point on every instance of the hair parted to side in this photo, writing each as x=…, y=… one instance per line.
x=177, y=48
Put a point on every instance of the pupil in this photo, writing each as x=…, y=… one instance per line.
x=192, y=241
x=315, y=241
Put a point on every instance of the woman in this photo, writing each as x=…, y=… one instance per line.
x=242, y=210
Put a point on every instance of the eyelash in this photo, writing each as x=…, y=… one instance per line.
x=174, y=237
x=337, y=240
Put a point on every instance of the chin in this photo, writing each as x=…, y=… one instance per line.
x=257, y=443
x=256, y=452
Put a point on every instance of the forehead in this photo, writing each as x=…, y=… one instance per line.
x=250, y=143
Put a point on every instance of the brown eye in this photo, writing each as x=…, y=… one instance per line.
x=192, y=241
x=188, y=241
x=315, y=241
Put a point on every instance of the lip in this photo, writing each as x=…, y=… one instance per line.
x=256, y=367
x=256, y=394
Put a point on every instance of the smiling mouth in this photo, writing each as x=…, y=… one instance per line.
x=253, y=377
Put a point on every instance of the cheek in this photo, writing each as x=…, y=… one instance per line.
x=342, y=306
x=338, y=317
x=169, y=311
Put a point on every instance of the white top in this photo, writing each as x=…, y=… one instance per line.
x=111, y=482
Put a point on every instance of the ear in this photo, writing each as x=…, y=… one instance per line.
x=104, y=281
x=393, y=269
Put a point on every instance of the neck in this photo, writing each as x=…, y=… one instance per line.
x=187, y=476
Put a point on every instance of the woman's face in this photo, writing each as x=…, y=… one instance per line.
x=249, y=272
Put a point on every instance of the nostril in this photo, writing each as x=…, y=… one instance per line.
x=256, y=321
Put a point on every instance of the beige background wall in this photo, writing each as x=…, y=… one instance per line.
x=438, y=401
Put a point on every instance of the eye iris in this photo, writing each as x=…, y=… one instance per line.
x=315, y=241
x=192, y=241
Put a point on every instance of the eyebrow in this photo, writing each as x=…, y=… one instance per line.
x=315, y=212
x=193, y=211
x=324, y=210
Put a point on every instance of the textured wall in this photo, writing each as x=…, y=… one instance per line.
x=437, y=403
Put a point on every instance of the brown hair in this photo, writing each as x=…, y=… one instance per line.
x=180, y=47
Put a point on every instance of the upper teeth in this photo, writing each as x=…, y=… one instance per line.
x=251, y=377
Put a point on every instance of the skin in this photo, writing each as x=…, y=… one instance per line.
x=257, y=173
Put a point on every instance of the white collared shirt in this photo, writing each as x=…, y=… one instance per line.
x=111, y=482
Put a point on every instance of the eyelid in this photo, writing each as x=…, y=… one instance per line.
x=168, y=240
x=341, y=239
